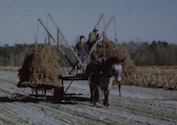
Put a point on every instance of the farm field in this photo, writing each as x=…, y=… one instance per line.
x=155, y=77
x=137, y=106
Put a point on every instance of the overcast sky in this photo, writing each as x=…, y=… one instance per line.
x=137, y=20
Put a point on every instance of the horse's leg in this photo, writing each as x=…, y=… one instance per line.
x=97, y=94
x=91, y=93
x=94, y=89
x=119, y=87
x=106, y=94
x=107, y=98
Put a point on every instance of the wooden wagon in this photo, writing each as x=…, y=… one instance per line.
x=58, y=85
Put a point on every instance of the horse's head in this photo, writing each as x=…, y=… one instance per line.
x=116, y=68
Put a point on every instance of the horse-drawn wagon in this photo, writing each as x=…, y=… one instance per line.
x=42, y=67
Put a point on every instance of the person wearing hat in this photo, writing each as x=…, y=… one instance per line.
x=81, y=50
x=93, y=37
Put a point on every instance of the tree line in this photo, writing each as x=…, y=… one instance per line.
x=156, y=53
x=13, y=55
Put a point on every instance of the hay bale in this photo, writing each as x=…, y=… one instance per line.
x=114, y=50
x=40, y=68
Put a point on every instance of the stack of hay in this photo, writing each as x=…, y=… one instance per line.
x=114, y=50
x=40, y=68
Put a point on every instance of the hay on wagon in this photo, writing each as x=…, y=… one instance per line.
x=115, y=50
x=40, y=68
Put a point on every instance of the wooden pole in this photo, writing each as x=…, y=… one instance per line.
x=50, y=35
x=66, y=41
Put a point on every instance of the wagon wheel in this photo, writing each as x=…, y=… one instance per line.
x=58, y=94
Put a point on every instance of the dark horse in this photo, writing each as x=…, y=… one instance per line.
x=101, y=75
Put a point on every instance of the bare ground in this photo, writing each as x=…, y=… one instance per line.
x=137, y=106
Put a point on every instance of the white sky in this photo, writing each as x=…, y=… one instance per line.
x=137, y=20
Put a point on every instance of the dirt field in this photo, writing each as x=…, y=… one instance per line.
x=137, y=106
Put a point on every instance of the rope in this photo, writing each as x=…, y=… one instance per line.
x=37, y=29
x=104, y=45
x=103, y=21
x=47, y=25
x=115, y=29
x=37, y=33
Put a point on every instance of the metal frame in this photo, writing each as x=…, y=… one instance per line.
x=59, y=33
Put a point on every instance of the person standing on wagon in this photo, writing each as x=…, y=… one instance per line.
x=93, y=37
x=81, y=50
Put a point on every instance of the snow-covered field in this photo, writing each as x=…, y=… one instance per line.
x=137, y=106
